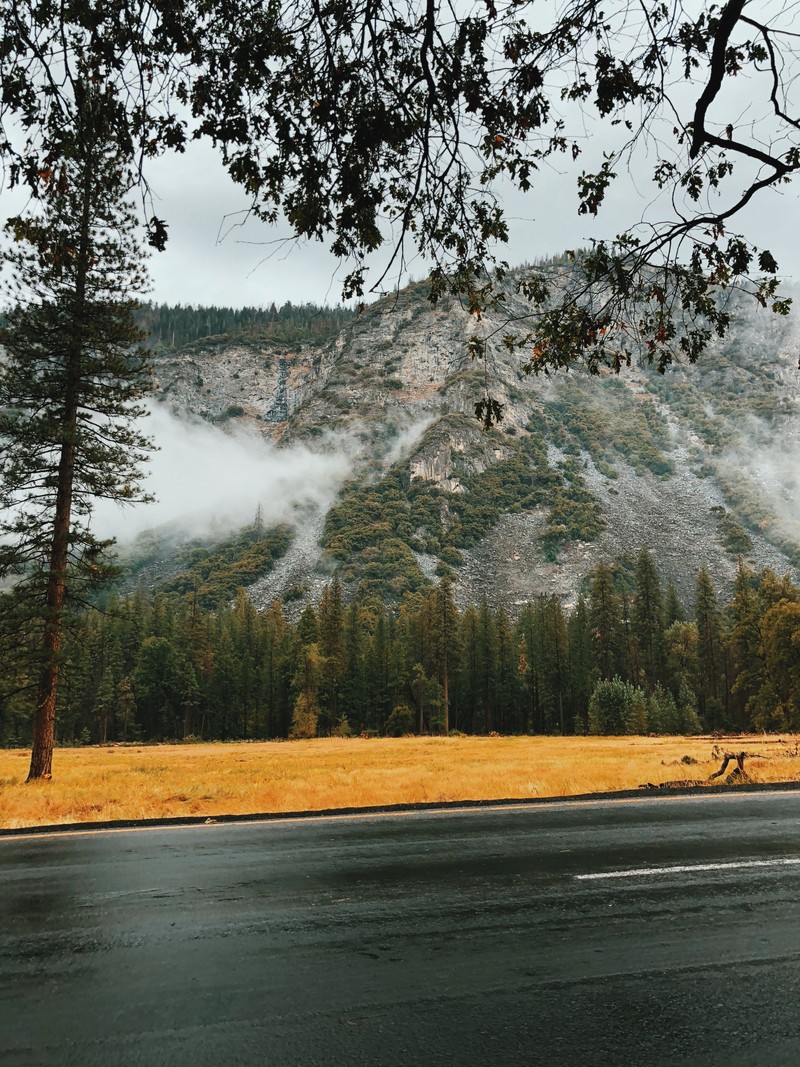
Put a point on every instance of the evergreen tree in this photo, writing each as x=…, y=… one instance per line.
x=745, y=644
x=469, y=674
x=506, y=673
x=531, y=656
x=436, y=629
x=427, y=694
x=605, y=615
x=523, y=675
x=274, y=657
x=682, y=664
x=487, y=666
x=156, y=683
x=307, y=631
x=661, y=711
x=611, y=707
x=330, y=623
x=554, y=661
x=629, y=665
x=69, y=382
x=777, y=705
x=223, y=688
x=648, y=620
x=354, y=683
x=673, y=609
x=378, y=671
x=246, y=633
x=581, y=665
x=709, y=650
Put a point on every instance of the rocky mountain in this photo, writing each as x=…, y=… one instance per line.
x=698, y=465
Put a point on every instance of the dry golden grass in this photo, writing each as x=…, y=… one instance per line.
x=128, y=782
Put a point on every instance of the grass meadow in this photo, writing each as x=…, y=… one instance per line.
x=150, y=781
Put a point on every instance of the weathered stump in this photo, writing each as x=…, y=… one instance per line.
x=738, y=775
x=739, y=772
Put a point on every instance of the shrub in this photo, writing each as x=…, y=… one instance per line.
x=342, y=728
x=304, y=718
x=400, y=722
x=451, y=556
x=611, y=707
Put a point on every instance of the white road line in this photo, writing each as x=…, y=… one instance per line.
x=644, y=872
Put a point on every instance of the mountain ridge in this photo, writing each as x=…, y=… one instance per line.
x=582, y=467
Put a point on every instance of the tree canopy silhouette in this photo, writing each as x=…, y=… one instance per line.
x=391, y=124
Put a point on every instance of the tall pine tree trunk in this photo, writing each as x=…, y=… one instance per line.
x=55, y=596
x=44, y=721
x=446, y=697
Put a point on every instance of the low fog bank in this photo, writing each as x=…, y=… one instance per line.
x=409, y=435
x=767, y=459
x=206, y=480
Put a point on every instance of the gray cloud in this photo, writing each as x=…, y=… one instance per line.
x=206, y=480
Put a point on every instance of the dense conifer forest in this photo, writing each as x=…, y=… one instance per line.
x=176, y=665
x=173, y=326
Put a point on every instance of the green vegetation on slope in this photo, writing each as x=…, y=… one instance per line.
x=610, y=423
x=210, y=572
x=374, y=529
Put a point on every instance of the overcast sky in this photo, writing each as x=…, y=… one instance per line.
x=211, y=258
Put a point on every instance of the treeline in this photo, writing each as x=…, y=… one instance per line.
x=172, y=326
x=626, y=659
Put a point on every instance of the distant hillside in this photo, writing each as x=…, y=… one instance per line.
x=697, y=465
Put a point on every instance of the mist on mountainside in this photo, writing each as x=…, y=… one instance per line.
x=207, y=481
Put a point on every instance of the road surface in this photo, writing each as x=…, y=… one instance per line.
x=653, y=931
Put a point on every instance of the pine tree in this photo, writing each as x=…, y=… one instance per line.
x=745, y=644
x=648, y=620
x=378, y=671
x=469, y=675
x=354, y=684
x=709, y=649
x=523, y=674
x=447, y=617
x=330, y=620
x=673, y=609
x=70, y=379
x=274, y=660
x=680, y=648
x=581, y=664
x=605, y=617
x=554, y=646
x=611, y=707
x=777, y=705
x=530, y=655
x=507, y=681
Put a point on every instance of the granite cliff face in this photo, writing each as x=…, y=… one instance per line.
x=696, y=465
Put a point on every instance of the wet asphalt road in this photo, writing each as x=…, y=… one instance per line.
x=430, y=938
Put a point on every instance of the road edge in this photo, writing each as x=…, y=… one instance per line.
x=174, y=821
